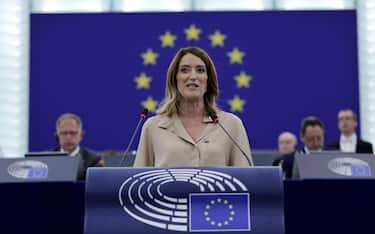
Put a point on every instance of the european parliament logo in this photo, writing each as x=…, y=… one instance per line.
x=350, y=167
x=187, y=200
x=28, y=169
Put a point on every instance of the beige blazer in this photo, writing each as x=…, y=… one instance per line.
x=165, y=142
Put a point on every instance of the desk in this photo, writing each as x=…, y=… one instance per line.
x=316, y=206
x=329, y=206
x=43, y=208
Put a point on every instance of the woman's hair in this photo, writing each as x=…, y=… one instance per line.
x=171, y=102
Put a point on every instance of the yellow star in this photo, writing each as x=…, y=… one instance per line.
x=167, y=39
x=143, y=81
x=236, y=104
x=236, y=56
x=149, y=57
x=192, y=33
x=243, y=80
x=150, y=104
x=217, y=39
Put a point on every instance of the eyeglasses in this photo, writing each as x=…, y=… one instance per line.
x=65, y=133
x=346, y=118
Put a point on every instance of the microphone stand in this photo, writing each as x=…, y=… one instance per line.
x=143, y=116
x=215, y=119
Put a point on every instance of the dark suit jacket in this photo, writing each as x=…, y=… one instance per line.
x=88, y=159
x=363, y=147
x=287, y=162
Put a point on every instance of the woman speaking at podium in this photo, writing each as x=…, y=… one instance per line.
x=189, y=129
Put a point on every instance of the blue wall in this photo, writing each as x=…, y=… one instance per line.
x=301, y=63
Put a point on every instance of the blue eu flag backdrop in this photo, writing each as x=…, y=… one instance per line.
x=274, y=68
x=219, y=212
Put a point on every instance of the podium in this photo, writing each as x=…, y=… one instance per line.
x=178, y=200
x=39, y=169
x=334, y=165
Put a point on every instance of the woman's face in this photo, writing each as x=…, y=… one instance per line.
x=192, y=78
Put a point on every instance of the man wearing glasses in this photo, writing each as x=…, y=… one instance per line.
x=69, y=134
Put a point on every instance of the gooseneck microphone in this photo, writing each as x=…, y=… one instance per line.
x=215, y=119
x=142, y=118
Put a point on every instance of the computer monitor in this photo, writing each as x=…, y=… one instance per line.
x=45, y=154
x=334, y=165
x=39, y=169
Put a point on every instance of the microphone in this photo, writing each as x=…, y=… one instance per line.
x=215, y=119
x=143, y=116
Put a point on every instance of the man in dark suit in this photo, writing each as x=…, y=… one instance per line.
x=312, y=136
x=349, y=141
x=287, y=144
x=69, y=134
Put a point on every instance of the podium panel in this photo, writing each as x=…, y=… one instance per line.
x=39, y=169
x=180, y=200
x=335, y=165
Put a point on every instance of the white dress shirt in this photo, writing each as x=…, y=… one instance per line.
x=348, y=144
x=73, y=153
x=307, y=151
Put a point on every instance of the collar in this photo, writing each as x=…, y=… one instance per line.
x=352, y=138
x=167, y=122
x=307, y=151
x=174, y=125
x=75, y=152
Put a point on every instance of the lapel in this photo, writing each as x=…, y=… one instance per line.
x=358, y=146
x=175, y=126
x=81, y=153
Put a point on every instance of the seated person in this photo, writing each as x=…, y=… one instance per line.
x=69, y=134
x=349, y=141
x=312, y=135
x=287, y=144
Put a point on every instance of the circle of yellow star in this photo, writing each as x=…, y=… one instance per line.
x=236, y=56
x=220, y=221
x=243, y=80
x=150, y=104
x=192, y=33
x=236, y=104
x=143, y=81
x=167, y=39
x=217, y=39
x=149, y=57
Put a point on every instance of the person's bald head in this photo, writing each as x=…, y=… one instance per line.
x=287, y=143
